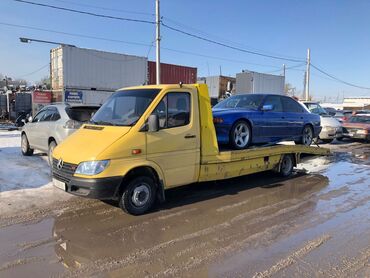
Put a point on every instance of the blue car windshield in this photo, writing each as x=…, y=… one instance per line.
x=252, y=102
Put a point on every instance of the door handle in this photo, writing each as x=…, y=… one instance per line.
x=189, y=136
x=283, y=117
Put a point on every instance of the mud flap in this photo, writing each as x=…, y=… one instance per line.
x=160, y=193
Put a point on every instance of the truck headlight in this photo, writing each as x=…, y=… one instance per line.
x=91, y=168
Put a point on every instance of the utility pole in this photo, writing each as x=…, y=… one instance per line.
x=158, y=43
x=284, y=70
x=307, y=80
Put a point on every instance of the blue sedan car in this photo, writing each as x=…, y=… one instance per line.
x=246, y=119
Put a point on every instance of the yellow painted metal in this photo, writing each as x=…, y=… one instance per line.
x=174, y=158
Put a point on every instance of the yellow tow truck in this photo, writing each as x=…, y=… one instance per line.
x=146, y=139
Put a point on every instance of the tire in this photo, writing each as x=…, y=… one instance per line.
x=286, y=165
x=327, y=141
x=52, y=146
x=307, y=136
x=139, y=196
x=25, y=146
x=240, y=135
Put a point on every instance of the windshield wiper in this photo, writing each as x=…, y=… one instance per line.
x=102, y=123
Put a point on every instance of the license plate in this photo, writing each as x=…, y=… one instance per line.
x=59, y=184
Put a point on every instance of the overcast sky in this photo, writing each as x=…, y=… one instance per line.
x=337, y=32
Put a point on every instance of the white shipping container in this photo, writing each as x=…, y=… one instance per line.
x=84, y=69
x=213, y=83
x=254, y=82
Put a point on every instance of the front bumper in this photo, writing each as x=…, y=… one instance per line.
x=102, y=189
x=357, y=136
x=331, y=133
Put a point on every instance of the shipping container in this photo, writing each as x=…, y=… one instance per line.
x=3, y=103
x=172, y=74
x=74, y=68
x=254, y=82
x=23, y=103
x=88, y=97
x=218, y=85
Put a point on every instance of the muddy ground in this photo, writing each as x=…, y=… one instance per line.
x=313, y=224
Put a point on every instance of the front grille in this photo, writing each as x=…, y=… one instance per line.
x=65, y=173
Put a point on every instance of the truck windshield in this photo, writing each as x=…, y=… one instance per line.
x=124, y=108
x=241, y=101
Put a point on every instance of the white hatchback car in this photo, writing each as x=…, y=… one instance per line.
x=51, y=125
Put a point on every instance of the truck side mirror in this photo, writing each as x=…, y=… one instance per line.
x=153, y=123
x=267, y=107
x=30, y=119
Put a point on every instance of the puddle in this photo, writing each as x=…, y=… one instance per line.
x=241, y=226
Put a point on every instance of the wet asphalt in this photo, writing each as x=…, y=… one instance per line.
x=308, y=225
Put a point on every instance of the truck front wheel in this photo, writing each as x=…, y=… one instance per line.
x=139, y=196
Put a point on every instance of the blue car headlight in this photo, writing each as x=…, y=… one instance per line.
x=91, y=168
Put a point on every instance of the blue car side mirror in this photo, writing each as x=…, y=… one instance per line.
x=267, y=107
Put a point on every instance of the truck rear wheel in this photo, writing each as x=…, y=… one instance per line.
x=286, y=165
x=139, y=196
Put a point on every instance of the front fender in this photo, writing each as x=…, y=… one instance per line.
x=120, y=167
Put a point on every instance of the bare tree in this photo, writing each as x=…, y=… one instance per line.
x=45, y=81
x=289, y=90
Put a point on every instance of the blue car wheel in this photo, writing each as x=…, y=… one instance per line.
x=307, y=136
x=240, y=135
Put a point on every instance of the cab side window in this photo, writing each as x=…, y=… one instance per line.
x=173, y=110
x=178, y=112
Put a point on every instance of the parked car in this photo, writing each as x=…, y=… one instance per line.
x=331, y=127
x=358, y=127
x=21, y=119
x=246, y=119
x=51, y=125
x=330, y=110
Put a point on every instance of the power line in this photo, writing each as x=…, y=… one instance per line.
x=135, y=43
x=85, y=12
x=163, y=24
x=103, y=8
x=339, y=80
x=218, y=58
x=33, y=72
x=220, y=38
x=289, y=68
x=228, y=46
x=73, y=34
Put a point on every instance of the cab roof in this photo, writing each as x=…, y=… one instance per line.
x=161, y=87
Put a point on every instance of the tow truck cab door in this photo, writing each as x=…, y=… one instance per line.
x=175, y=147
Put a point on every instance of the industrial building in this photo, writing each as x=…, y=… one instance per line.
x=356, y=103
